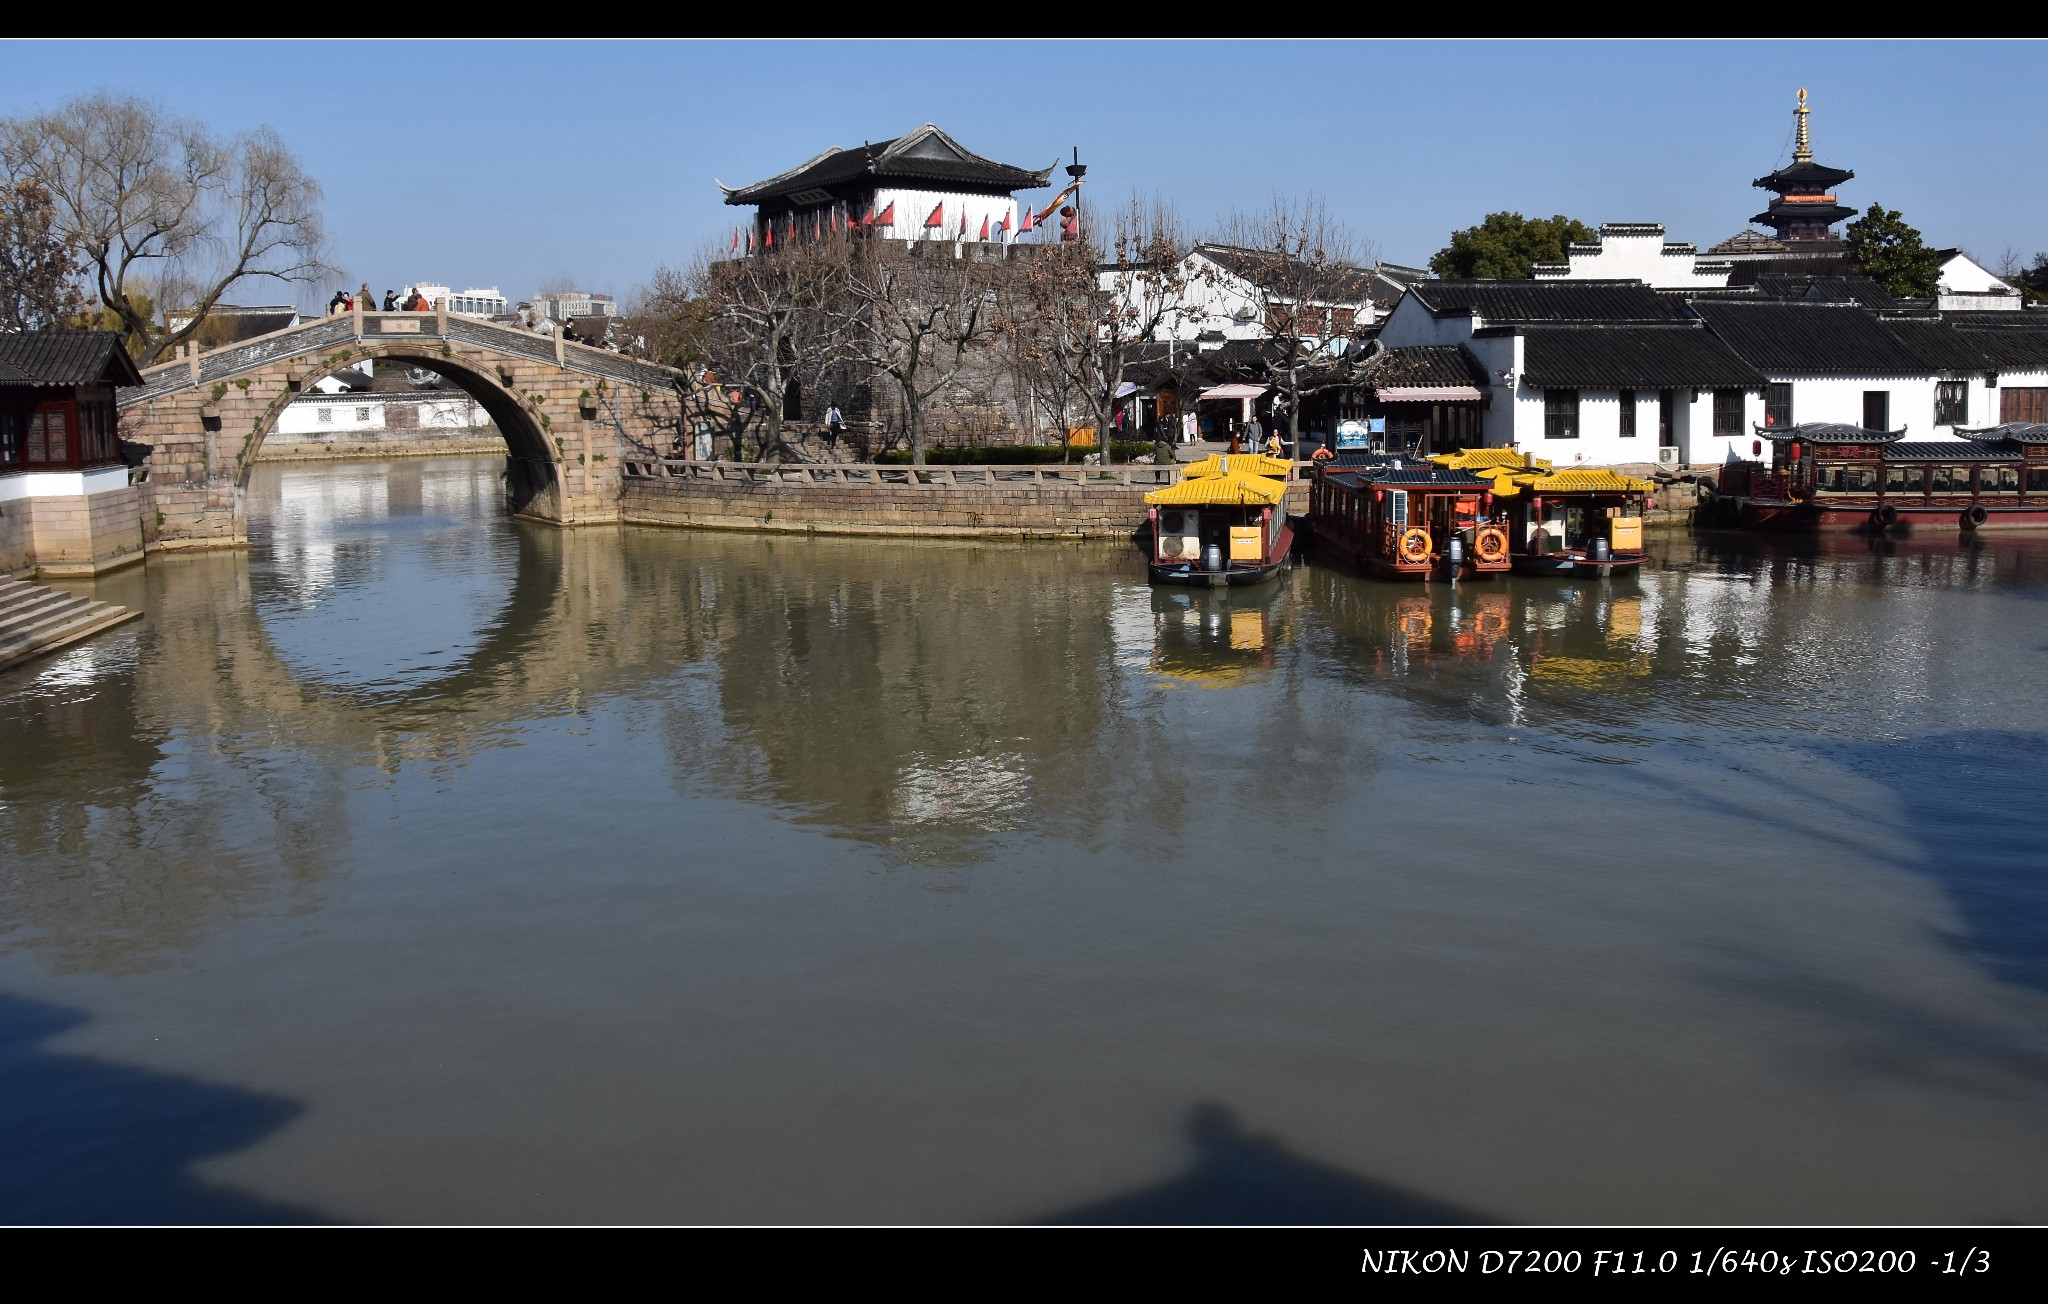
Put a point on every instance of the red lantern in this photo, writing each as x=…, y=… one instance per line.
x=1378, y=494
x=1756, y=447
x=1795, y=450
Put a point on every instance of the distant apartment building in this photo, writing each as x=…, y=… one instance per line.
x=563, y=305
x=469, y=303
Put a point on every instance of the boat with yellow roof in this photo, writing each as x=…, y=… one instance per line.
x=1225, y=523
x=1572, y=522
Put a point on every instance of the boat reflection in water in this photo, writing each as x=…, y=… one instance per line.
x=1217, y=639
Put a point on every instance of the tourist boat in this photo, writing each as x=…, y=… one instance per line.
x=1225, y=523
x=1827, y=478
x=1572, y=522
x=1406, y=520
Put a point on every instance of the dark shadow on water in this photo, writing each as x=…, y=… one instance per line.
x=86, y=1141
x=1238, y=1178
x=1970, y=801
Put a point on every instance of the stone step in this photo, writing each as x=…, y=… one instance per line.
x=36, y=609
x=35, y=620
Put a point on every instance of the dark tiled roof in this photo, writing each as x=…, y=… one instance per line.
x=1803, y=174
x=1424, y=365
x=56, y=358
x=1830, y=432
x=2009, y=341
x=1938, y=345
x=1809, y=339
x=2019, y=432
x=1825, y=289
x=1952, y=450
x=925, y=155
x=1510, y=303
x=1626, y=357
x=1826, y=262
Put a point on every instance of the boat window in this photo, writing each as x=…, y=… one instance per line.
x=1397, y=507
x=1905, y=479
x=1848, y=479
x=1943, y=479
x=2037, y=479
x=1998, y=479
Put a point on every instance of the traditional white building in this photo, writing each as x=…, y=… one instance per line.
x=1224, y=292
x=562, y=305
x=1637, y=251
x=1589, y=372
x=920, y=186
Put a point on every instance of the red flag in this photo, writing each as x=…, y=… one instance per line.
x=984, y=228
x=735, y=239
x=852, y=222
x=1027, y=223
x=888, y=217
x=938, y=217
x=768, y=237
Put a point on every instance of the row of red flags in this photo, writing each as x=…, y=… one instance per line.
x=935, y=220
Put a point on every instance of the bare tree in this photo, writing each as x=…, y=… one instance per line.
x=38, y=269
x=1085, y=304
x=774, y=317
x=667, y=321
x=1305, y=275
x=159, y=210
x=919, y=316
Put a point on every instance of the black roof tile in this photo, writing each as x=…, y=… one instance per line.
x=1628, y=357
x=1951, y=450
x=1806, y=338
x=54, y=358
x=1512, y=303
x=1804, y=174
x=1938, y=345
x=2019, y=432
x=2008, y=341
x=1424, y=365
x=925, y=155
x=1830, y=432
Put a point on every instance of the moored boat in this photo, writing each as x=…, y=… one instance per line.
x=1825, y=478
x=1224, y=524
x=1575, y=522
x=1405, y=520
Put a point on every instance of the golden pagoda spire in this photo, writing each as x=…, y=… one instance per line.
x=1801, y=153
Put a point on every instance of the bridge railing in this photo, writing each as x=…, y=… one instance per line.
x=195, y=368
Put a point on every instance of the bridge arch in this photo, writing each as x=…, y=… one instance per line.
x=569, y=415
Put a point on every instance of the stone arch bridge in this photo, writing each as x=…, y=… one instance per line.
x=569, y=414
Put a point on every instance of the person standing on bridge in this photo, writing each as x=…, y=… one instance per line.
x=391, y=301
x=338, y=304
x=367, y=299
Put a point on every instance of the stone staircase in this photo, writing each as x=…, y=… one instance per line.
x=35, y=620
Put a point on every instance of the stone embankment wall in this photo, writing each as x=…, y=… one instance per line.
x=280, y=447
x=965, y=505
x=71, y=534
x=966, y=502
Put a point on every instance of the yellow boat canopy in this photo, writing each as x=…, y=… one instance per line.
x=1588, y=482
x=1484, y=461
x=1230, y=490
x=1245, y=463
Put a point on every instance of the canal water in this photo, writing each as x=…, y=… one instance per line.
x=421, y=866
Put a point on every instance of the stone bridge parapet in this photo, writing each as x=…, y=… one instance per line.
x=570, y=415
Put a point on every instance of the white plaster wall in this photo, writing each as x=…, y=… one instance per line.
x=1962, y=275
x=913, y=206
x=1840, y=398
x=1639, y=258
x=301, y=417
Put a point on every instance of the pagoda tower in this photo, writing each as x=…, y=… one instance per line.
x=1805, y=210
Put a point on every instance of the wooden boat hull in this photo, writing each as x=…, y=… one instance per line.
x=1861, y=517
x=1195, y=577
x=1576, y=564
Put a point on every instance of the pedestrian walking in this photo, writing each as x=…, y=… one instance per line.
x=834, y=424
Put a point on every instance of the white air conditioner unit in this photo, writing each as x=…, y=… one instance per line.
x=1667, y=456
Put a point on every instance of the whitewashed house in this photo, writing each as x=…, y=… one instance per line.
x=1841, y=363
x=1599, y=373
x=1223, y=292
x=1637, y=251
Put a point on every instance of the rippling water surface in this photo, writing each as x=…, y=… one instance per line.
x=421, y=866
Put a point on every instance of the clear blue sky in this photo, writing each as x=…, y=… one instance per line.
x=506, y=163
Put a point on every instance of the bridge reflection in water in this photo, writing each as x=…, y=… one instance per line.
x=487, y=872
